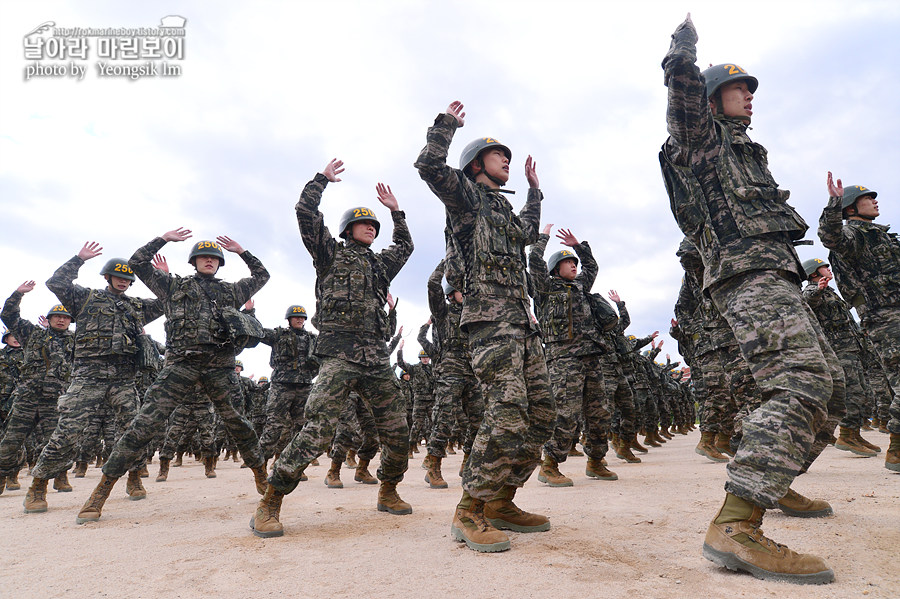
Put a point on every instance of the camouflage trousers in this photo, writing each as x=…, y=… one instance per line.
x=175, y=382
x=649, y=408
x=458, y=400
x=99, y=435
x=519, y=410
x=378, y=388
x=728, y=382
x=580, y=396
x=883, y=326
x=34, y=411
x=857, y=395
x=421, y=418
x=799, y=377
x=621, y=399
x=356, y=430
x=284, y=416
x=880, y=390
x=194, y=416
x=86, y=398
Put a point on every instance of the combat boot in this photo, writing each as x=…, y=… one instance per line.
x=134, y=487
x=550, y=474
x=735, y=541
x=350, y=461
x=859, y=439
x=144, y=472
x=80, y=469
x=597, y=469
x=503, y=514
x=209, y=466
x=433, y=477
x=389, y=500
x=2, y=484
x=707, y=447
x=472, y=528
x=573, y=451
x=178, y=457
x=623, y=452
x=90, y=511
x=463, y=464
x=61, y=483
x=36, y=498
x=99, y=463
x=659, y=438
x=315, y=461
x=363, y=475
x=847, y=442
x=235, y=456
x=12, y=483
x=664, y=431
x=723, y=444
x=410, y=454
x=634, y=444
x=649, y=440
x=450, y=450
x=260, y=478
x=426, y=463
x=227, y=455
x=416, y=447
x=163, y=470
x=333, y=476
x=866, y=426
x=265, y=522
x=892, y=457
x=882, y=427
x=795, y=504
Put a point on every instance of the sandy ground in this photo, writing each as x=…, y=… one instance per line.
x=638, y=537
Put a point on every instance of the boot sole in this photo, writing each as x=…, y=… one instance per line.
x=12, y=488
x=546, y=480
x=384, y=508
x=35, y=511
x=137, y=497
x=340, y=486
x=596, y=477
x=892, y=467
x=855, y=451
x=812, y=514
x=80, y=520
x=709, y=457
x=736, y=564
x=265, y=535
x=480, y=547
x=365, y=481
x=161, y=480
x=504, y=525
x=69, y=490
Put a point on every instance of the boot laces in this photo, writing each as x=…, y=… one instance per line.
x=759, y=536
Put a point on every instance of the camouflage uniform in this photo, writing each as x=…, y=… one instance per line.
x=194, y=414
x=294, y=368
x=258, y=399
x=351, y=291
x=11, y=359
x=356, y=430
x=46, y=369
x=573, y=354
x=507, y=356
x=868, y=258
x=421, y=377
x=616, y=370
x=198, y=350
x=727, y=203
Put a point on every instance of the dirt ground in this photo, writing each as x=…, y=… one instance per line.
x=640, y=536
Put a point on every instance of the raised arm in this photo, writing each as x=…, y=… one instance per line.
x=436, y=302
x=316, y=236
x=448, y=184
x=12, y=318
x=142, y=262
x=831, y=224
x=259, y=276
x=62, y=282
x=395, y=255
x=537, y=266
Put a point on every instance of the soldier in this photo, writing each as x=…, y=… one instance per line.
x=422, y=377
x=869, y=260
x=199, y=349
x=11, y=357
x=573, y=356
x=617, y=370
x=46, y=369
x=489, y=240
x=194, y=413
x=351, y=291
x=727, y=203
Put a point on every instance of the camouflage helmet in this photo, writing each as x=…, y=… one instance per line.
x=559, y=256
x=118, y=267
x=6, y=333
x=238, y=364
x=720, y=74
x=355, y=215
x=471, y=151
x=59, y=310
x=206, y=248
x=263, y=379
x=423, y=353
x=812, y=265
x=853, y=193
x=631, y=337
x=403, y=373
x=295, y=310
x=448, y=288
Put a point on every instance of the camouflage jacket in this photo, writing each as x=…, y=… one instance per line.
x=562, y=307
x=722, y=194
x=488, y=237
x=108, y=323
x=449, y=340
x=617, y=344
x=11, y=359
x=421, y=376
x=292, y=358
x=834, y=315
x=351, y=283
x=864, y=256
x=194, y=328
x=47, y=353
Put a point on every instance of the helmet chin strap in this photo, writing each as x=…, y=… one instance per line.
x=496, y=180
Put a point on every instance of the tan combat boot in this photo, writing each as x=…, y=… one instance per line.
x=433, y=477
x=650, y=440
x=866, y=426
x=61, y=483
x=144, y=471
x=80, y=469
x=178, y=458
x=707, y=447
x=209, y=467
x=573, y=452
x=363, y=475
x=12, y=482
x=795, y=504
x=350, y=461
x=134, y=487
x=502, y=513
x=163, y=470
x=265, y=522
x=634, y=444
x=389, y=500
x=664, y=431
x=892, y=457
x=36, y=498
x=90, y=512
x=463, y=464
x=882, y=427
x=260, y=478
x=735, y=541
x=657, y=434
x=597, y=469
x=846, y=441
x=623, y=451
x=859, y=439
x=235, y=457
x=450, y=449
x=472, y=528
x=550, y=474
x=426, y=463
x=333, y=476
x=723, y=444
x=2, y=484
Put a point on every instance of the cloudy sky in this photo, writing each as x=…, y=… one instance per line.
x=270, y=91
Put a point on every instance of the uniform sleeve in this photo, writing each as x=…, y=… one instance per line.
x=152, y=309
x=141, y=263
x=589, y=268
x=395, y=255
x=537, y=267
x=450, y=185
x=624, y=317
x=832, y=232
x=62, y=284
x=316, y=236
x=530, y=215
x=436, y=302
x=18, y=326
x=248, y=286
x=402, y=362
x=269, y=339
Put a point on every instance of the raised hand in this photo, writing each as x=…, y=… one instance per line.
x=159, y=263
x=546, y=230
x=566, y=237
x=90, y=250
x=390, y=301
x=334, y=168
x=614, y=296
x=531, y=173
x=835, y=191
x=386, y=197
x=456, y=111
x=674, y=323
x=179, y=234
x=249, y=305
x=653, y=336
x=43, y=322
x=25, y=287
x=229, y=244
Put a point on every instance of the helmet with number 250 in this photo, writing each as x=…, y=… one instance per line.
x=720, y=74
x=207, y=248
x=118, y=267
x=355, y=215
